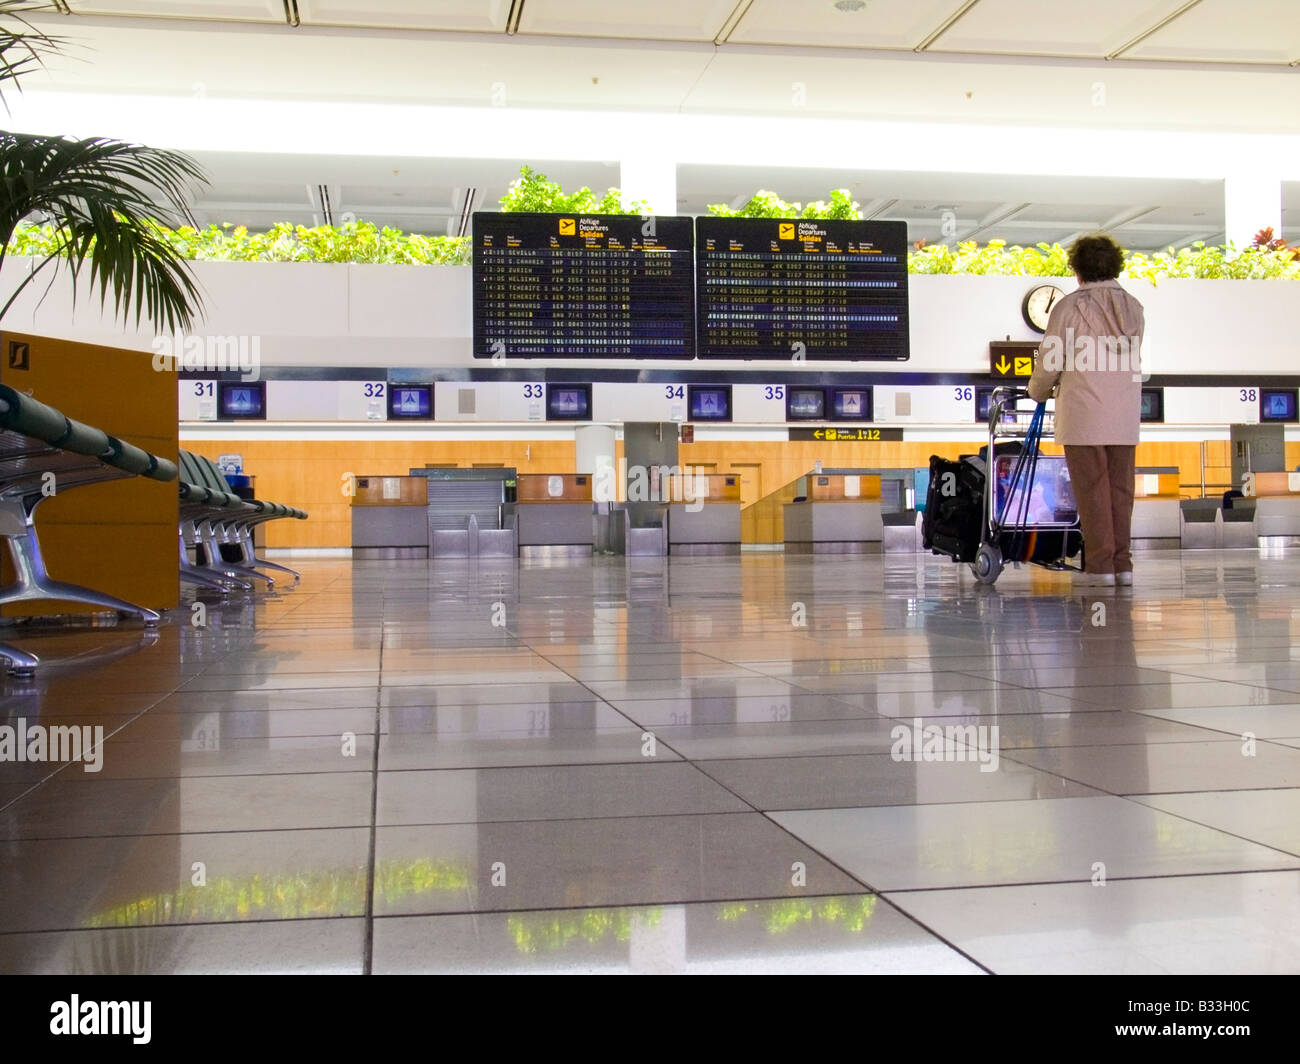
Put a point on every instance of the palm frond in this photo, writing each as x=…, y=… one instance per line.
x=102, y=196
x=23, y=47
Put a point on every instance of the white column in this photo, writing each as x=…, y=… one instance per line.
x=1251, y=201
x=595, y=451
x=652, y=178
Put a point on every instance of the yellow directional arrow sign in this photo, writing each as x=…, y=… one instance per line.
x=817, y=434
x=1012, y=359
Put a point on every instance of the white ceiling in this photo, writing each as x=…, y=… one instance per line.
x=1172, y=30
x=426, y=195
x=1180, y=65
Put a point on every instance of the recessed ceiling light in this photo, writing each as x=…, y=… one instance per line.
x=848, y=6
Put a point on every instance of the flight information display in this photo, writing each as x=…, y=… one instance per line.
x=583, y=286
x=801, y=289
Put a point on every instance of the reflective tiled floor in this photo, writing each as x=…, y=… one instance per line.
x=698, y=765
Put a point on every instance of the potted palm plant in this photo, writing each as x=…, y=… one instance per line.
x=101, y=196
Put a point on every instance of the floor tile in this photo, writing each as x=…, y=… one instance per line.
x=80, y=808
x=208, y=750
x=1105, y=728
x=739, y=687
x=594, y=863
x=1107, y=673
x=850, y=934
x=1265, y=722
x=922, y=847
x=276, y=681
x=62, y=884
x=891, y=682
x=281, y=700
x=780, y=739
x=1271, y=818
x=1165, y=767
x=877, y=779
x=483, y=694
x=991, y=702
x=203, y=726
x=268, y=947
x=1186, y=925
x=567, y=792
x=500, y=751
x=1142, y=697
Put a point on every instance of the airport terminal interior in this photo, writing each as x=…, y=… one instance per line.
x=499, y=525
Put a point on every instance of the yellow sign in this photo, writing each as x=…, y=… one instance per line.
x=785, y=231
x=567, y=227
x=1011, y=360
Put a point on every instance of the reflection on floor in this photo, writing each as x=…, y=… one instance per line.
x=740, y=764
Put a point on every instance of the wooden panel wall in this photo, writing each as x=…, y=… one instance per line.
x=309, y=474
x=119, y=536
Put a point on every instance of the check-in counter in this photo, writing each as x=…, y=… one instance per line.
x=839, y=513
x=467, y=512
x=554, y=511
x=704, y=514
x=1157, y=523
x=389, y=517
x=1277, y=506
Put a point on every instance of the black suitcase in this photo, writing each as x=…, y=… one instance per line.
x=953, y=522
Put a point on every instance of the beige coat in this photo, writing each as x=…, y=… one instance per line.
x=1091, y=355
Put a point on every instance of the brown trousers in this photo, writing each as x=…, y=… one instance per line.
x=1102, y=478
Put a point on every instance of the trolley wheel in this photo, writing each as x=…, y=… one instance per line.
x=987, y=565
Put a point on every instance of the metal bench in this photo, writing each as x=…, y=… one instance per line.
x=44, y=453
x=229, y=523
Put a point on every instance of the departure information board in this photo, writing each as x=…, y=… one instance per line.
x=583, y=286
x=811, y=290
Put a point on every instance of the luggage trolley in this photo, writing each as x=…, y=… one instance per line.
x=1029, y=512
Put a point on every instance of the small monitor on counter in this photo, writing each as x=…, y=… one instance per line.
x=241, y=400
x=805, y=404
x=1153, y=404
x=568, y=402
x=1278, y=404
x=851, y=404
x=410, y=402
x=710, y=402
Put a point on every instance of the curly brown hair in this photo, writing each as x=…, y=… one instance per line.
x=1096, y=258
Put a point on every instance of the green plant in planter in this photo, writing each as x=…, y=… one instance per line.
x=1198, y=260
x=765, y=204
x=995, y=257
x=283, y=242
x=101, y=194
x=532, y=191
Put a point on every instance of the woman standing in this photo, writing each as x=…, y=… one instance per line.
x=1090, y=355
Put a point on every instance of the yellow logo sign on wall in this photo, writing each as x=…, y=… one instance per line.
x=785, y=231
x=567, y=227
